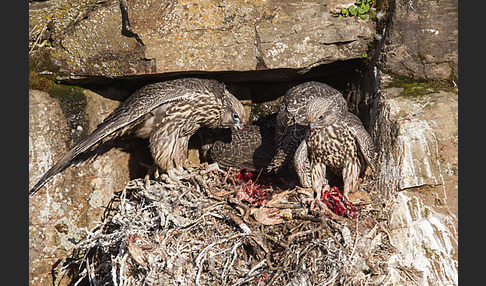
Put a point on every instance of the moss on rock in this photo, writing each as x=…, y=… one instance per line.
x=72, y=99
x=415, y=89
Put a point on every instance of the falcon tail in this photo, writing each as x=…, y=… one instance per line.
x=94, y=138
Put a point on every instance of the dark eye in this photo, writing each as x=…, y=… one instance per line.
x=321, y=117
x=235, y=116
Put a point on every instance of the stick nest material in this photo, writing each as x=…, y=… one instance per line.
x=202, y=231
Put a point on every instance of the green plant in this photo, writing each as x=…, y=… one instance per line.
x=72, y=99
x=416, y=88
x=371, y=46
x=360, y=8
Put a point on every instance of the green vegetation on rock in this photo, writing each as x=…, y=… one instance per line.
x=415, y=89
x=360, y=8
x=72, y=99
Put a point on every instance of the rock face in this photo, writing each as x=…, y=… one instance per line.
x=75, y=199
x=416, y=134
x=422, y=134
x=242, y=36
x=417, y=139
x=85, y=38
x=147, y=37
x=422, y=39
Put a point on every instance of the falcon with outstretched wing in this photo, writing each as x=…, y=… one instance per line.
x=167, y=113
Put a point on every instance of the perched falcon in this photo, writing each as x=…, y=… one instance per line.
x=167, y=113
x=292, y=119
x=252, y=148
x=335, y=139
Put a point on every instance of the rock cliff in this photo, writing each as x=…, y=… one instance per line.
x=125, y=38
x=397, y=69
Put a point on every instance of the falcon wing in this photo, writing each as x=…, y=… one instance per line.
x=247, y=149
x=135, y=108
x=290, y=126
x=363, y=138
x=153, y=95
x=292, y=118
x=302, y=165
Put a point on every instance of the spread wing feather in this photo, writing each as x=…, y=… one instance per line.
x=132, y=111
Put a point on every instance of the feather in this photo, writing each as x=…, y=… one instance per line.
x=163, y=111
x=292, y=119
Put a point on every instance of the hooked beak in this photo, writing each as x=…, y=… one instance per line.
x=239, y=126
x=312, y=126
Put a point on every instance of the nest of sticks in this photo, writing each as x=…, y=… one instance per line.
x=229, y=228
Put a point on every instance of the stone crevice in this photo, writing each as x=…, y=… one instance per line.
x=260, y=58
x=126, y=28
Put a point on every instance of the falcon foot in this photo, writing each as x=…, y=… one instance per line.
x=152, y=170
x=314, y=199
x=360, y=197
x=176, y=175
x=330, y=202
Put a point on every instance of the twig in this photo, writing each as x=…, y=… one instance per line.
x=331, y=280
x=306, y=217
x=241, y=205
x=408, y=274
x=239, y=222
x=355, y=241
x=230, y=263
x=269, y=262
x=258, y=265
x=308, y=248
x=208, y=212
x=113, y=269
x=91, y=274
x=38, y=38
x=329, y=233
x=387, y=233
x=227, y=174
x=260, y=243
x=275, y=276
x=82, y=276
x=284, y=246
x=259, y=173
x=251, y=274
x=201, y=257
x=35, y=26
x=294, y=236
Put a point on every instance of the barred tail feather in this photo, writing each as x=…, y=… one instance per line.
x=94, y=138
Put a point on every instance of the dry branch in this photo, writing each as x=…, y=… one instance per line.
x=197, y=232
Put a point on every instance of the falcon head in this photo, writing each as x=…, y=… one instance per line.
x=233, y=113
x=323, y=111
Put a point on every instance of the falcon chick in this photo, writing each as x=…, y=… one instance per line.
x=252, y=148
x=167, y=113
x=292, y=119
x=336, y=139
